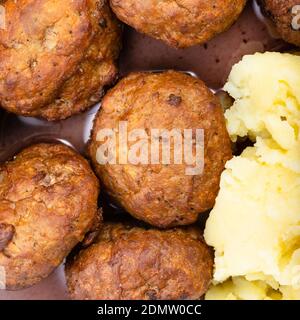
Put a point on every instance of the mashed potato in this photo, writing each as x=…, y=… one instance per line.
x=238, y=288
x=266, y=89
x=255, y=224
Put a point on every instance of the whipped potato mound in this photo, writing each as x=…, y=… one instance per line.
x=255, y=224
x=266, y=89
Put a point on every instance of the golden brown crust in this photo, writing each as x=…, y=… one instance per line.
x=55, y=63
x=137, y=264
x=180, y=23
x=48, y=197
x=96, y=71
x=163, y=195
x=280, y=12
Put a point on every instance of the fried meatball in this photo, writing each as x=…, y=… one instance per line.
x=130, y=263
x=163, y=195
x=48, y=203
x=179, y=23
x=281, y=13
x=56, y=63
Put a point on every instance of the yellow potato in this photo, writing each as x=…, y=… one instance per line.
x=266, y=89
x=255, y=224
x=238, y=288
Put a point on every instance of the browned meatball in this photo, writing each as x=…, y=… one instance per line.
x=55, y=63
x=48, y=202
x=180, y=23
x=281, y=13
x=163, y=195
x=137, y=264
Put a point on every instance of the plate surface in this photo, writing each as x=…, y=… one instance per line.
x=211, y=62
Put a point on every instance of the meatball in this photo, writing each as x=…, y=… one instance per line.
x=56, y=63
x=48, y=203
x=282, y=14
x=131, y=263
x=163, y=195
x=179, y=23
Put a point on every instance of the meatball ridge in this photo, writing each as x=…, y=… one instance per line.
x=163, y=195
x=179, y=23
x=48, y=203
x=56, y=63
x=132, y=263
x=281, y=13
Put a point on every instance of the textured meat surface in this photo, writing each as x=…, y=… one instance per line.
x=180, y=23
x=133, y=263
x=56, y=56
x=163, y=195
x=281, y=13
x=48, y=202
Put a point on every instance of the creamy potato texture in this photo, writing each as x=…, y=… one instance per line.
x=266, y=89
x=255, y=224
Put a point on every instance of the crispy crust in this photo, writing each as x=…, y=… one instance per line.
x=55, y=63
x=161, y=195
x=179, y=23
x=280, y=12
x=137, y=264
x=48, y=197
